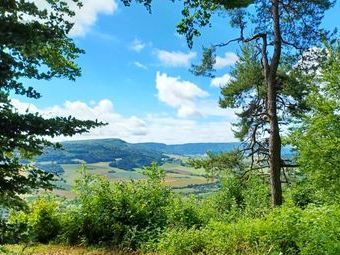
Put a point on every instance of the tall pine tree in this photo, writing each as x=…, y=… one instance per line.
x=274, y=34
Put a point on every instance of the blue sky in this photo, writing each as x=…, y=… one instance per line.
x=135, y=76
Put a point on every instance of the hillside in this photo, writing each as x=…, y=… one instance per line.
x=125, y=155
x=189, y=148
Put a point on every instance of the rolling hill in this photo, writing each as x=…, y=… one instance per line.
x=125, y=155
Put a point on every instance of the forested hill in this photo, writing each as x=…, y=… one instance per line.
x=189, y=148
x=125, y=155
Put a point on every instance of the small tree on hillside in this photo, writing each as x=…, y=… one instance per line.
x=34, y=45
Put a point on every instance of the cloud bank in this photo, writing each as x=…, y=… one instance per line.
x=149, y=128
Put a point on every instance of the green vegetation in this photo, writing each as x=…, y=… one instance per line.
x=125, y=155
x=318, y=138
x=40, y=50
x=268, y=83
x=184, y=179
x=121, y=154
x=254, y=205
x=146, y=215
x=58, y=250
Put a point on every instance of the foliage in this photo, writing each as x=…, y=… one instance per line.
x=238, y=198
x=224, y=163
x=186, y=212
x=40, y=223
x=181, y=242
x=283, y=231
x=317, y=140
x=34, y=46
x=123, y=214
x=146, y=215
x=265, y=86
x=154, y=173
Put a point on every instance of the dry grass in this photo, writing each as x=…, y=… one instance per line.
x=57, y=250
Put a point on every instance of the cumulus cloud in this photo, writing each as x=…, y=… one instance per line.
x=150, y=128
x=118, y=125
x=137, y=45
x=220, y=81
x=175, y=58
x=211, y=108
x=86, y=16
x=228, y=59
x=179, y=94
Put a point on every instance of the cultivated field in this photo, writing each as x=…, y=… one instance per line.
x=182, y=178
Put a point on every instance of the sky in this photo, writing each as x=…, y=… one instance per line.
x=136, y=78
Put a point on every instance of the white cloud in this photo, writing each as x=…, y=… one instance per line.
x=151, y=128
x=175, y=58
x=228, y=59
x=137, y=45
x=179, y=94
x=86, y=16
x=118, y=126
x=210, y=107
x=140, y=65
x=176, y=131
x=220, y=81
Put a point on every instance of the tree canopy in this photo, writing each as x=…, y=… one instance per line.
x=267, y=84
x=274, y=35
x=34, y=45
x=317, y=138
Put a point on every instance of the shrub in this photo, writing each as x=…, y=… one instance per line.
x=179, y=241
x=301, y=194
x=41, y=223
x=289, y=231
x=185, y=212
x=238, y=198
x=118, y=213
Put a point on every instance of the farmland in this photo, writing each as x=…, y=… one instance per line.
x=182, y=179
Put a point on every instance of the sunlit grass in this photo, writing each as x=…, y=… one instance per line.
x=58, y=250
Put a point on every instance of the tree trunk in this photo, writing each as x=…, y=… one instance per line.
x=274, y=136
x=274, y=147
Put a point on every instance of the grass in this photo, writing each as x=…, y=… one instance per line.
x=58, y=250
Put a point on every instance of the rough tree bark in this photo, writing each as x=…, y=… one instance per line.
x=274, y=137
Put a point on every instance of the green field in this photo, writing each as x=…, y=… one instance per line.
x=181, y=178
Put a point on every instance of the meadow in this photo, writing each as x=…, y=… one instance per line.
x=183, y=179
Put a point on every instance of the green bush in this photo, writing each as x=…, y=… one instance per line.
x=185, y=212
x=71, y=224
x=146, y=215
x=290, y=231
x=301, y=194
x=124, y=214
x=238, y=198
x=40, y=223
x=179, y=241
